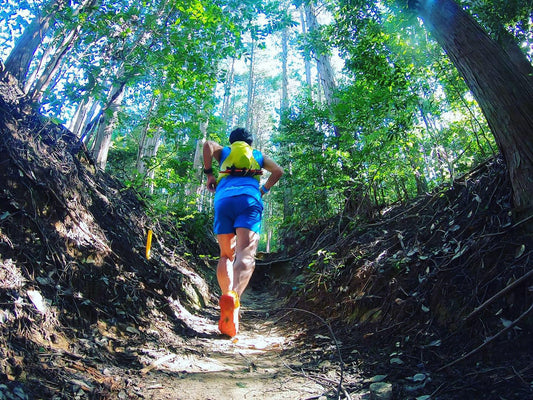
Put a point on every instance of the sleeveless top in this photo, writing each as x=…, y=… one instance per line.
x=237, y=185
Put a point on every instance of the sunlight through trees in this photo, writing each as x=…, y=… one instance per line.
x=363, y=103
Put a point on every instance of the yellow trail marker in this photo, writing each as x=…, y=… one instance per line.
x=148, y=244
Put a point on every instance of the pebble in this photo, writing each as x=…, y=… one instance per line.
x=381, y=391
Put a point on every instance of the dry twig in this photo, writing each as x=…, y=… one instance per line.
x=500, y=293
x=486, y=342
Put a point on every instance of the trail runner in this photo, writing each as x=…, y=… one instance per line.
x=238, y=211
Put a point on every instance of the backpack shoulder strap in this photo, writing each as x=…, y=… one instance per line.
x=259, y=158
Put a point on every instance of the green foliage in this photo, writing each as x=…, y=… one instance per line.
x=402, y=123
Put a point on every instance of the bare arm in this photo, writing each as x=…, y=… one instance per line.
x=211, y=150
x=275, y=172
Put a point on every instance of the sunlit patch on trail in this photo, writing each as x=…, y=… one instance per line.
x=208, y=355
x=259, y=342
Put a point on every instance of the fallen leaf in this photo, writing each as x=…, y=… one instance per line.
x=396, y=361
x=419, y=377
x=37, y=301
x=520, y=251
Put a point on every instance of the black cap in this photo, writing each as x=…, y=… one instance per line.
x=241, y=135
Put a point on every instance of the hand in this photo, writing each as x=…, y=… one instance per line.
x=211, y=183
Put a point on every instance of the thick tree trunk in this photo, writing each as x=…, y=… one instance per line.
x=516, y=55
x=504, y=94
x=19, y=60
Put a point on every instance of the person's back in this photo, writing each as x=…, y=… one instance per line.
x=240, y=171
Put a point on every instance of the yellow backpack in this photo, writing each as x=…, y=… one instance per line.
x=240, y=162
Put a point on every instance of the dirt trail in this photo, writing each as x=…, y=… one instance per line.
x=116, y=326
x=254, y=365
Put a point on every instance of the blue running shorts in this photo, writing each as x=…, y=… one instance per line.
x=240, y=211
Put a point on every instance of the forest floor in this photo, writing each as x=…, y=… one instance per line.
x=426, y=300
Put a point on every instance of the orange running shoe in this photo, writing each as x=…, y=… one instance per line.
x=229, y=314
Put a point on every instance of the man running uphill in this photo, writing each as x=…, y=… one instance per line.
x=238, y=212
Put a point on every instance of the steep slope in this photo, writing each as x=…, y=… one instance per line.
x=74, y=279
x=441, y=287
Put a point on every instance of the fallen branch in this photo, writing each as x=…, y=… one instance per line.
x=486, y=342
x=157, y=362
x=259, y=263
x=500, y=293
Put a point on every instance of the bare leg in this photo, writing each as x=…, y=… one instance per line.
x=228, y=323
x=234, y=270
x=225, y=272
x=244, y=264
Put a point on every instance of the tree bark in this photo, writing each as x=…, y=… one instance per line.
x=251, y=78
x=325, y=72
x=284, y=73
x=19, y=60
x=53, y=66
x=516, y=55
x=147, y=145
x=307, y=57
x=86, y=108
x=503, y=92
x=226, y=115
x=52, y=58
x=151, y=145
x=107, y=123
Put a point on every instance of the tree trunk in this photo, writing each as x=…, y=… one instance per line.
x=52, y=67
x=19, y=60
x=502, y=91
x=284, y=73
x=307, y=57
x=31, y=78
x=251, y=78
x=226, y=115
x=197, y=163
x=325, y=72
x=83, y=112
x=145, y=143
x=151, y=146
x=53, y=56
x=107, y=123
x=83, y=127
x=516, y=55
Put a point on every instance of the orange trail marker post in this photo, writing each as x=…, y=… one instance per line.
x=148, y=244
